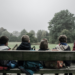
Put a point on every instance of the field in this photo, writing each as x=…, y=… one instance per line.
x=12, y=44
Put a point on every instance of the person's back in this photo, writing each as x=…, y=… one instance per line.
x=63, y=46
x=25, y=45
x=43, y=47
x=4, y=46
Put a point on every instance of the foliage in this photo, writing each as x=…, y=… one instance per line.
x=39, y=37
x=41, y=34
x=32, y=38
x=63, y=22
x=32, y=32
x=2, y=30
x=16, y=33
x=23, y=32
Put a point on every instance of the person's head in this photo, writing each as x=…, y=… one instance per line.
x=62, y=38
x=44, y=44
x=4, y=40
x=25, y=38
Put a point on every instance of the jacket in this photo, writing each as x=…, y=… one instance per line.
x=64, y=47
x=3, y=47
x=27, y=46
x=24, y=46
x=4, y=62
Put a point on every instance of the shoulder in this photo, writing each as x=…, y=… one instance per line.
x=68, y=48
x=57, y=47
x=4, y=48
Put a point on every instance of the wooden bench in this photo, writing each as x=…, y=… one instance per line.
x=39, y=56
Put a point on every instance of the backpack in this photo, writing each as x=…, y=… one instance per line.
x=53, y=64
x=3, y=64
x=12, y=64
x=29, y=67
x=33, y=65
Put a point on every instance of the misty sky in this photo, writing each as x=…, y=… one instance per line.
x=16, y=15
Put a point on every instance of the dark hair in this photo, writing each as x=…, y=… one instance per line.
x=62, y=38
x=43, y=45
x=3, y=40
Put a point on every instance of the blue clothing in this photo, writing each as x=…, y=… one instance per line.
x=63, y=43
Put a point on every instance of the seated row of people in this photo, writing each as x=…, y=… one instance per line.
x=25, y=45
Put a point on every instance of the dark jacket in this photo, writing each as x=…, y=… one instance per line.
x=24, y=46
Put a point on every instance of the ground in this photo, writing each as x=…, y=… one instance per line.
x=12, y=44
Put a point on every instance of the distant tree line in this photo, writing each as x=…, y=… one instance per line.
x=15, y=36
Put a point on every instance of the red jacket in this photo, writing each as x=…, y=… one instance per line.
x=74, y=46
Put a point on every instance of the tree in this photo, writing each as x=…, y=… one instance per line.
x=23, y=32
x=44, y=34
x=6, y=33
x=16, y=33
x=39, y=35
x=61, y=20
x=68, y=34
x=32, y=32
x=2, y=30
x=32, y=38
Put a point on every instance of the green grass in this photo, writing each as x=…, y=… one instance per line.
x=12, y=44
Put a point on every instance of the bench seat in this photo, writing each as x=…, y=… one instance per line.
x=70, y=69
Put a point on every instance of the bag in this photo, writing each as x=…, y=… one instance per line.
x=29, y=67
x=3, y=68
x=53, y=64
x=3, y=64
x=12, y=64
x=35, y=66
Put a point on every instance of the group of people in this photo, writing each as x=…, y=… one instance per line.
x=25, y=45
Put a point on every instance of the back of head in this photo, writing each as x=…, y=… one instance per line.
x=3, y=40
x=44, y=45
x=25, y=38
x=45, y=40
x=62, y=38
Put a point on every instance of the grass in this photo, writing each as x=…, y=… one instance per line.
x=12, y=44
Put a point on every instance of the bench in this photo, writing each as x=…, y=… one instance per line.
x=39, y=56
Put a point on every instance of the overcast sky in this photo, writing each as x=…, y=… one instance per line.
x=16, y=15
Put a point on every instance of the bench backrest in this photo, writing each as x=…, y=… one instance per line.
x=37, y=55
